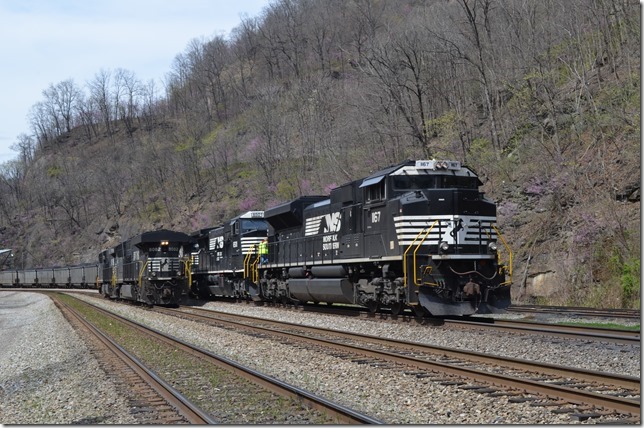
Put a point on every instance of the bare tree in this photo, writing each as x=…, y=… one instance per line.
x=396, y=64
x=366, y=18
x=60, y=100
x=272, y=146
x=127, y=92
x=150, y=101
x=87, y=116
x=41, y=125
x=473, y=43
x=245, y=48
x=100, y=93
x=216, y=59
x=26, y=148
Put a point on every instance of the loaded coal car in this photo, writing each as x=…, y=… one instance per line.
x=83, y=276
x=9, y=278
x=31, y=278
x=222, y=261
x=419, y=234
x=151, y=268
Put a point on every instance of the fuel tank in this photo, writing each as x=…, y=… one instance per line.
x=330, y=290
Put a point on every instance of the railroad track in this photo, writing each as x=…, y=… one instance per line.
x=408, y=313
x=577, y=311
x=580, y=332
x=593, y=392
x=150, y=387
x=334, y=412
x=577, y=332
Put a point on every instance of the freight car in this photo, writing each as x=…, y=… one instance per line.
x=83, y=276
x=9, y=278
x=419, y=234
x=152, y=268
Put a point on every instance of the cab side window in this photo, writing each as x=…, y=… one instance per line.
x=375, y=192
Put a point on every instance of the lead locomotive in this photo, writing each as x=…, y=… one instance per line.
x=419, y=234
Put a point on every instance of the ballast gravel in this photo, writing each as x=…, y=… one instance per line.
x=45, y=366
x=47, y=375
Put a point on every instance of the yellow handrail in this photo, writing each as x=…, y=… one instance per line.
x=507, y=248
x=248, y=268
x=409, y=248
x=141, y=272
x=187, y=264
x=246, y=265
x=255, y=270
x=416, y=250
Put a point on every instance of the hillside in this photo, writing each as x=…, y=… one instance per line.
x=541, y=99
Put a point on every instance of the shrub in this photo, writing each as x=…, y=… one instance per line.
x=630, y=282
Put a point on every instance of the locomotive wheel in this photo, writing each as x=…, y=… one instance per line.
x=419, y=311
x=397, y=308
x=372, y=306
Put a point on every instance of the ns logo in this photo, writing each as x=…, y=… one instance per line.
x=328, y=223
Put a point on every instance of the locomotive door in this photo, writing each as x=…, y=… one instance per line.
x=374, y=223
x=351, y=231
x=373, y=216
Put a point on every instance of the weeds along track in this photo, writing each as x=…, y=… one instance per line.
x=227, y=392
x=153, y=400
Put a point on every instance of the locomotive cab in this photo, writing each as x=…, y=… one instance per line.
x=446, y=228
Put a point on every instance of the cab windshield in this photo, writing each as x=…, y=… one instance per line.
x=418, y=182
x=164, y=251
x=252, y=225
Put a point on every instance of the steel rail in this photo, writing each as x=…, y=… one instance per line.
x=623, y=405
x=174, y=398
x=571, y=331
x=341, y=413
x=624, y=381
x=577, y=310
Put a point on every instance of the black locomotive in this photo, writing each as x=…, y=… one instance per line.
x=419, y=234
x=225, y=255
x=150, y=268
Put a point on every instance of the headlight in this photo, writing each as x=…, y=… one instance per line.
x=492, y=247
x=444, y=246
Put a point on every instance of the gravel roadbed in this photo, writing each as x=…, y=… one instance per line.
x=54, y=366
x=47, y=375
